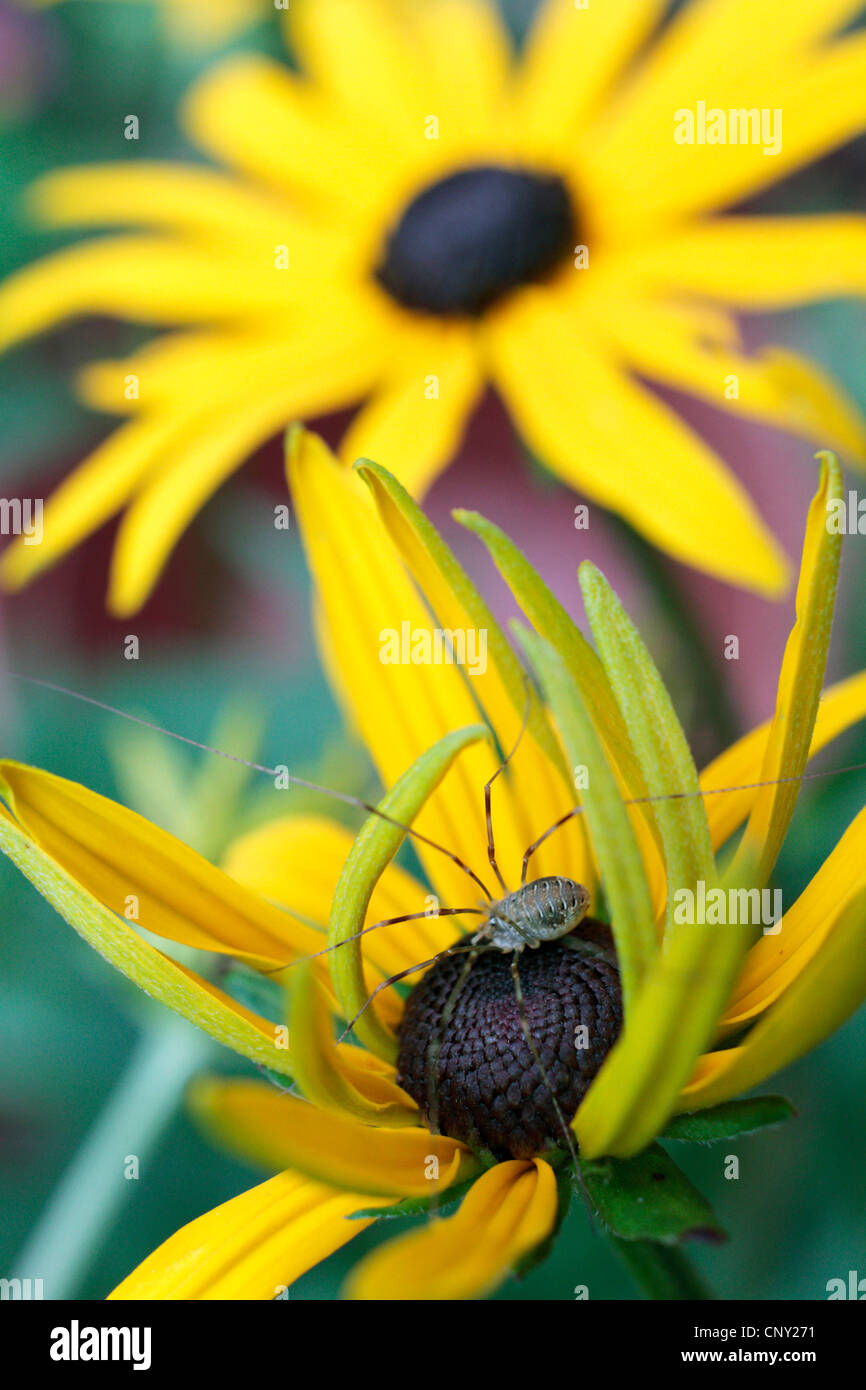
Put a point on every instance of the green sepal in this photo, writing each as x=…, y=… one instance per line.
x=729, y=1120
x=417, y=1206
x=649, y=1198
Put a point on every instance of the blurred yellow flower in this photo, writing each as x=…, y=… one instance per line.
x=417, y=215
x=357, y=1142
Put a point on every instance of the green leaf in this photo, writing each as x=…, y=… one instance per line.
x=372, y=852
x=616, y=849
x=728, y=1121
x=649, y=1198
x=656, y=736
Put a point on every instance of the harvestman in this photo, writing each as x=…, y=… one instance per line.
x=539, y=913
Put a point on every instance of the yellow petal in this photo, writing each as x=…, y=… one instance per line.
x=467, y=57
x=800, y=679
x=159, y=976
x=400, y=709
x=141, y=278
x=818, y=1001
x=255, y=1121
x=758, y=262
x=572, y=55
x=570, y=403
x=264, y=391
x=779, y=958
x=296, y=862
x=97, y=489
x=254, y=114
x=181, y=196
x=841, y=706
x=415, y=422
x=507, y=1213
x=664, y=343
x=251, y=1247
x=120, y=858
x=731, y=58
x=326, y=1072
x=537, y=787
x=365, y=57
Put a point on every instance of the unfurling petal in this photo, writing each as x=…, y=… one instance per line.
x=506, y=1214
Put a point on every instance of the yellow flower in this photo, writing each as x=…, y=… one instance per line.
x=417, y=215
x=356, y=1141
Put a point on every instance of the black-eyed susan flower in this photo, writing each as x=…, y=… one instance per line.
x=681, y=1012
x=417, y=214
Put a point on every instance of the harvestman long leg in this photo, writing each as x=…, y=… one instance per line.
x=684, y=796
x=343, y=797
x=374, y=926
x=536, y=1056
x=434, y=1046
x=401, y=975
x=488, y=803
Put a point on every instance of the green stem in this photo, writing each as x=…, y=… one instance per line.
x=661, y=1271
x=86, y=1200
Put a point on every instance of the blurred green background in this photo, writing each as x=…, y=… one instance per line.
x=228, y=638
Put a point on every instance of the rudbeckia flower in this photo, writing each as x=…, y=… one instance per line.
x=682, y=1016
x=417, y=214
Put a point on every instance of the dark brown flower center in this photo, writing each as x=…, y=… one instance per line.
x=467, y=240
x=486, y=1087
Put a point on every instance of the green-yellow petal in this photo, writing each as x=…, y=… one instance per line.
x=657, y=738
x=619, y=860
x=373, y=850
x=326, y=1071
x=163, y=979
x=814, y=1005
x=129, y=864
x=800, y=681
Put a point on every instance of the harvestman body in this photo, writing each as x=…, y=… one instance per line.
x=543, y=910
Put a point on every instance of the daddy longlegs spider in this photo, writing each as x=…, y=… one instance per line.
x=539, y=911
